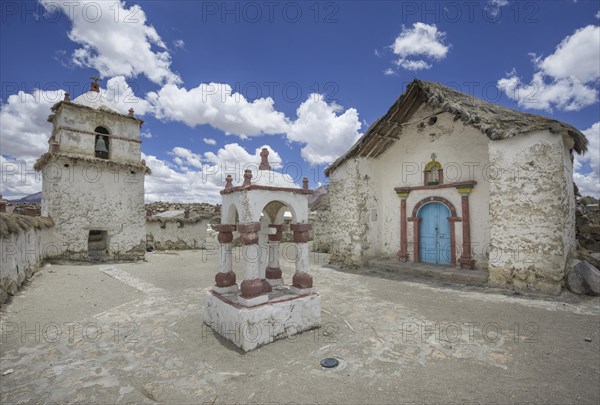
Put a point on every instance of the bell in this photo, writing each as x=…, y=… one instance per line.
x=101, y=145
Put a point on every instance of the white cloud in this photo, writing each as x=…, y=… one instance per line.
x=589, y=183
x=209, y=141
x=120, y=94
x=413, y=64
x=566, y=80
x=564, y=94
x=422, y=41
x=326, y=133
x=23, y=123
x=598, y=15
x=146, y=134
x=217, y=105
x=577, y=55
x=18, y=177
x=494, y=6
x=115, y=40
x=389, y=72
x=185, y=157
x=181, y=183
x=178, y=43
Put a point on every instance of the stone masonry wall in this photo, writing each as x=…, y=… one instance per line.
x=351, y=194
x=22, y=252
x=80, y=197
x=532, y=216
x=171, y=234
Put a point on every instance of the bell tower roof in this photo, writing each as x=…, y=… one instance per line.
x=93, y=98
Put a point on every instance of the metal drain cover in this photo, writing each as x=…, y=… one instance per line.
x=329, y=362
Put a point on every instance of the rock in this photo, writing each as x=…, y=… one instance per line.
x=592, y=258
x=590, y=228
x=584, y=279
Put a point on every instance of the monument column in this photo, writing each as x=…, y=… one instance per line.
x=225, y=278
x=302, y=281
x=403, y=254
x=252, y=289
x=273, y=273
x=466, y=259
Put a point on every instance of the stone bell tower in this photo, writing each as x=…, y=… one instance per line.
x=93, y=179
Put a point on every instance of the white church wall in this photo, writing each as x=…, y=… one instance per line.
x=22, y=252
x=463, y=153
x=531, y=212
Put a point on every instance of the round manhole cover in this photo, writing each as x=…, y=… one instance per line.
x=329, y=362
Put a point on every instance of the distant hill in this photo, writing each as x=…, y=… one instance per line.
x=33, y=198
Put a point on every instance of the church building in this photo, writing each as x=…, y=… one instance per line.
x=449, y=179
x=93, y=179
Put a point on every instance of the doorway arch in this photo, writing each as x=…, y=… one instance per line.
x=434, y=235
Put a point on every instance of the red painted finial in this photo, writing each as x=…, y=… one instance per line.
x=228, y=182
x=264, y=162
x=305, y=183
x=131, y=112
x=247, y=177
x=95, y=86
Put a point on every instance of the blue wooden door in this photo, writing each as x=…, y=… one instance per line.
x=435, y=233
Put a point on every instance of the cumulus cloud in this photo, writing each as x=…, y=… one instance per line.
x=566, y=79
x=122, y=96
x=421, y=41
x=115, y=40
x=209, y=141
x=217, y=105
x=23, y=123
x=494, y=6
x=181, y=181
x=588, y=181
x=326, y=131
x=185, y=157
x=413, y=64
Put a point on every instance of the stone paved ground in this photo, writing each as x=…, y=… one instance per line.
x=134, y=333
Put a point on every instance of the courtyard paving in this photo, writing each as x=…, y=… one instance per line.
x=134, y=333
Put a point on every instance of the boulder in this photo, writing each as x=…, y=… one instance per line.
x=584, y=278
x=590, y=228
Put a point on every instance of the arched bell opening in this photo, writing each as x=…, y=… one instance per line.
x=102, y=143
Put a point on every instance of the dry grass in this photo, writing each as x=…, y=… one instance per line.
x=15, y=223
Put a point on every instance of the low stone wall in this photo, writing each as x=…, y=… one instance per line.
x=25, y=242
x=176, y=233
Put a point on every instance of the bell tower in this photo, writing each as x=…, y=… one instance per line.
x=93, y=179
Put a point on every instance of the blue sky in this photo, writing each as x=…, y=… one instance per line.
x=217, y=81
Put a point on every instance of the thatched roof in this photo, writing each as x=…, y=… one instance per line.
x=15, y=223
x=495, y=121
x=49, y=156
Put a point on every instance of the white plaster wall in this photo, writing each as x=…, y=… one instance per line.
x=21, y=255
x=177, y=235
x=352, y=199
x=83, y=197
x=88, y=119
x=463, y=153
x=531, y=211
